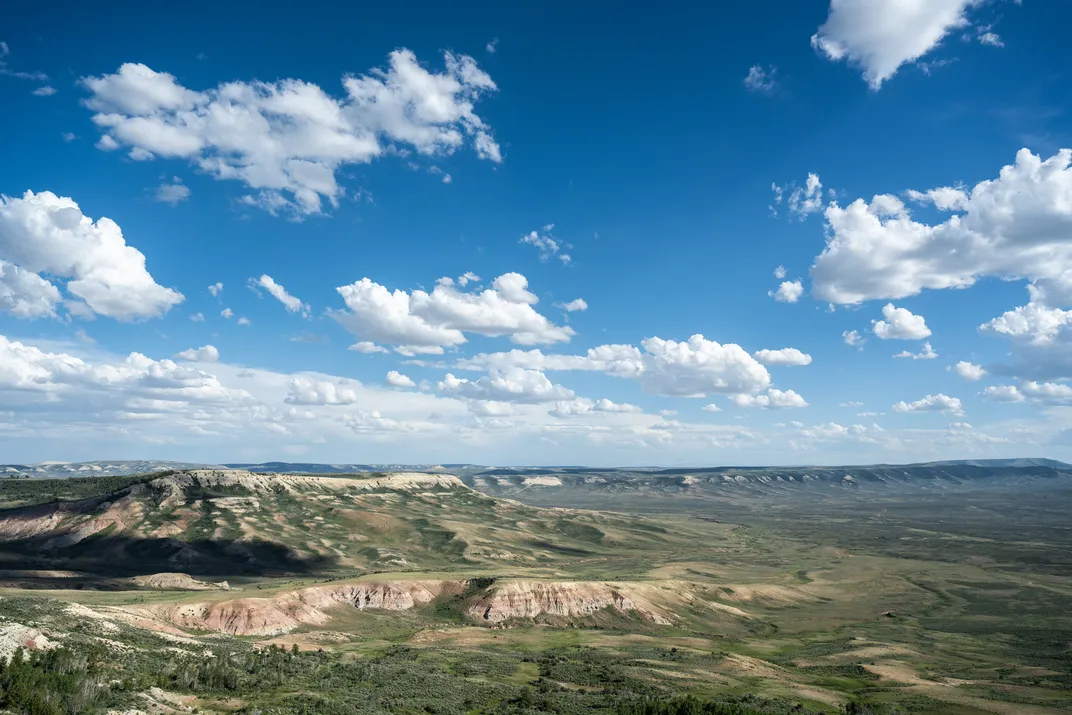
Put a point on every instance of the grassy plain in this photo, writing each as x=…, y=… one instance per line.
x=955, y=602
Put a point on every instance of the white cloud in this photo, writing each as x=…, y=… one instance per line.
x=172, y=194
x=1048, y=393
x=1016, y=226
x=546, y=244
x=969, y=371
x=694, y=368
x=106, y=143
x=368, y=348
x=198, y=317
x=28, y=369
x=397, y=379
x=925, y=353
x=311, y=391
x=711, y=408
x=785, y=356
x=853, y=338
x=46, y=91
x=992, y=39
x=245, y=321
x=467, y=278
x=762, y=80
x=46, y=234
x=68, y=136
x=582, y=407
x=780, y=272
x=1004, y=393
x=205, y=353
x=788, y=292
x=286, y=140
x=215, y=289
x=292, y=304
x=492, y=46
x=507, y=385
x=945, y=198
x=1036, y=323
x=441, y=318
x=932, y=403
x=690, y=368
x=802, y=200
x=574, y=305
x=25, y=294
x=774, y=399
x=373, y=421
x=879, y=37
x=900, y=324
x=227, y=313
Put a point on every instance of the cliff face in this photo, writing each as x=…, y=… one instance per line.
x=292, y=482
x=529, y=599
x=312, y=606
x=286, y=611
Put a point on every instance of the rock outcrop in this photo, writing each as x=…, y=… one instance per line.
x=177, y=582
x=286, y=611
x=570, y=599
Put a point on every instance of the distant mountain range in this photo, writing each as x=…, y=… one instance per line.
x=881, y=472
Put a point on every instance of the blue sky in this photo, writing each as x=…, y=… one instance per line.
x=330, y=167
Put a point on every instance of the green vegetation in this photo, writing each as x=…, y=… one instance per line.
x=923, y=602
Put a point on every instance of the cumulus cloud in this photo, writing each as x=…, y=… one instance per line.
x=853, y=338
x=1035, y=323
x=245, y=321
x=1013, y=227
x=695, y=367
x=1003, y=393
x=215, y=289
x=397, y=379
x=1051, y=394
x=286, y=140
x=173, y=194
x=198, y=317
x=25, y=294
x=785, y=357
x=427, y=322
x=546, y=244
x=691, y=368
x=292, y=304
x=227, y=313
x=788, y=292
x=205, y=353
x=507, y=385
x=368, y=348
x=932, y=403
x=969, y=371
x=574, y=305
x=780, y=272
x=900, y=324
x=312, y=391
x=945, y=198
x=47, y=234
x=582, y=407
x=801, y=200
x=29, y=369
x=773, y=399
x=760, y=79
x=925, y=353
x=879, y=37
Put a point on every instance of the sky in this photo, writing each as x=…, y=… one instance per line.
x=821, y=232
